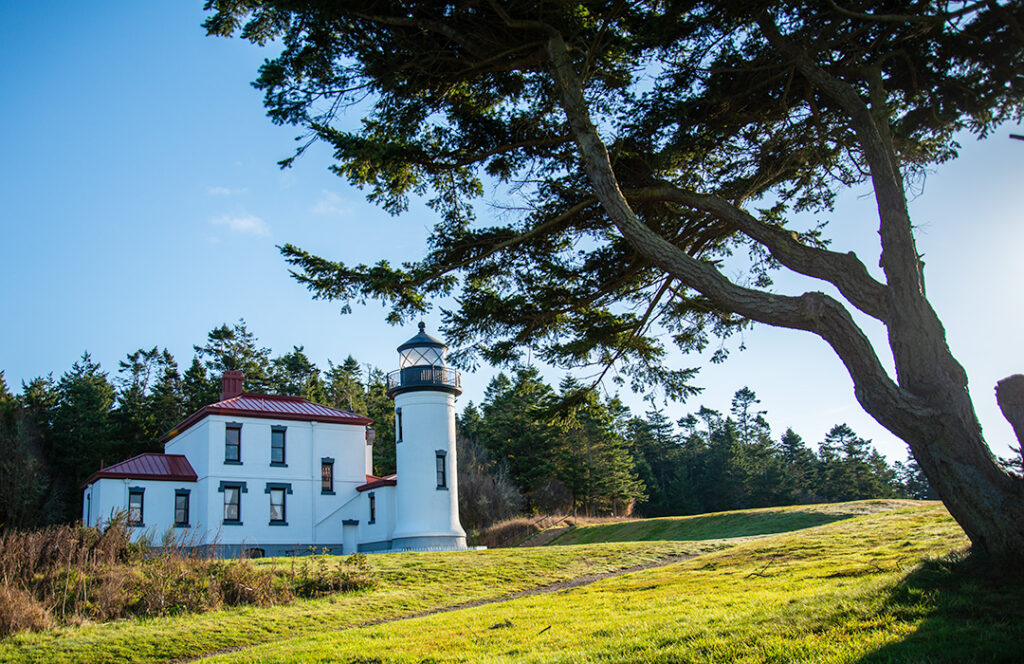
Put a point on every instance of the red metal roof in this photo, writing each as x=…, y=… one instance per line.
x=149, y=466
x=271, y=406
x=374, y=482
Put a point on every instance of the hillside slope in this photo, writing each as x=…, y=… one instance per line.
x=737, y=523
x=850, y=591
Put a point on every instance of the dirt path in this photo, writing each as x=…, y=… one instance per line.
x=584, y=580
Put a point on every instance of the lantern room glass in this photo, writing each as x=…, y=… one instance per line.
x=419, y=356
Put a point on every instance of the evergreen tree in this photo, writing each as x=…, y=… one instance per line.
x=593, y=461
x=381, y=409
x=235, y=348
x=82, y=433
x=23, y=483
x=148, y=402
x=914, y=483
x=294, y=374
x=344, y=387
x=519, y=430
x=799, y=462
x=198, y=388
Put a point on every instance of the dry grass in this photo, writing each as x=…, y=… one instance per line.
x=517, y=530
x=68, y=575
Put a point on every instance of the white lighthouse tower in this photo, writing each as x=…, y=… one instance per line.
x=427, y=492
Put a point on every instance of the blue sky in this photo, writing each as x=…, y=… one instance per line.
x=140, y=205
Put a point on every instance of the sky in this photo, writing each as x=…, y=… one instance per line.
x=141, y=205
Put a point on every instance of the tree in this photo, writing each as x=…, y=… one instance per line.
x=235, y=348
x=644, y=142
x=148, y=402
x=82, y=433
x=294, y=374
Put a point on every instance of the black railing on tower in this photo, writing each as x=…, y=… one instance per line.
x=425, y=376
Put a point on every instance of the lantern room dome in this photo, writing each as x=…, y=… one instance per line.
x=422, y=365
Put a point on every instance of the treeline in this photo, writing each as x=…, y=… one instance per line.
x=527, y=447
x=56, y=432
x=530, y=447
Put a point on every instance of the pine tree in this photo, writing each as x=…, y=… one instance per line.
x=82, y=433
x=235, y=348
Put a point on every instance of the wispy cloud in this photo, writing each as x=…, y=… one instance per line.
x=224, y=191
x=246, y=224
x=331, y=203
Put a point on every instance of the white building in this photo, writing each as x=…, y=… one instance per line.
x=269, y=475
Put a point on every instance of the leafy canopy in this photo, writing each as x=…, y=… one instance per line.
x=712, y=127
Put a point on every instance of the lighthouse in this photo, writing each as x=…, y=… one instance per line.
x=427, y=492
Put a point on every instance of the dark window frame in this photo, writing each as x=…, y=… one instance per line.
x=141, y=493
x=274, y=431
x=373, y=508
x=327, y=476
x=182, y=493
x=398, y=425
x=229, y=444
x=441, y=467
x=241, y=488
x=282, y=518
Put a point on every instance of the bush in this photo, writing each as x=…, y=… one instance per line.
x=20, y=611
x=322, y=574
x=66, y=574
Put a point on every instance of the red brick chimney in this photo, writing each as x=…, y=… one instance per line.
x=231, y=384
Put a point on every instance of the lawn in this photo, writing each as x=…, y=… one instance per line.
x=409, y=584
x=739, y=523
x=854, y=590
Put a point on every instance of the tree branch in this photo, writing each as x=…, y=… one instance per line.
x=814, y=312
x=903, y=18
x=844, y=271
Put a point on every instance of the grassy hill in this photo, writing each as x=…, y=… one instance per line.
x=738, y=523
x=853, y=589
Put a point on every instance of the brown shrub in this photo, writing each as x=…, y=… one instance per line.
x=66, y=574
x=20, y=611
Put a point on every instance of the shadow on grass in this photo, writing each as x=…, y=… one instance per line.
x=706, y=527
x=970, y=608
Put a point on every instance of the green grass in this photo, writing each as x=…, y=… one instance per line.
x=853, y=590
x=409, y=584
x=739, y=523
x=845, y=592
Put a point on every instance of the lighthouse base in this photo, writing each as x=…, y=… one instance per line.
x=429, y=543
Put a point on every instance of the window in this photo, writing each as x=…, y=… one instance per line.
x=277, y=446
x=327, y=475
x=398, y=425
x=232, y=503
x=277, y=492
x=277, y=505
x=373, y=508
x=233, y=443
x=135, y=506
x=440, y=459
x=181, y=507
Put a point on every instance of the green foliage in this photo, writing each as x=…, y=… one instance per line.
x=321, y=574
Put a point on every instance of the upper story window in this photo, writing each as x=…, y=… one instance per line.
x=277, y=439
x=373, y=508
x=398, y=425
x=181, y=497
x=135, y=506
x=233, y=443
x=440, y=462
x=327, y=475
